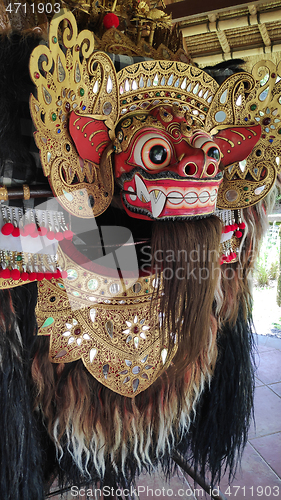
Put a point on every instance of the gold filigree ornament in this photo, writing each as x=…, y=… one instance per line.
x=72, y=78
x=105, y=322
x=116, y=42
x=247, y=100
x=77, y=79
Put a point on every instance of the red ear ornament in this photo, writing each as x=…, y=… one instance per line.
x=90, y=136
x=236, y=143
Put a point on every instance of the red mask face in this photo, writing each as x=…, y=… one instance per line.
x=164, y=170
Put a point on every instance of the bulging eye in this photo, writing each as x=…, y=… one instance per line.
x=213, y=152
x=158, y=154
x=207, y=145
x=152, y=151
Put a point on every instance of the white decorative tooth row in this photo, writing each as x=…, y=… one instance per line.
x=158, y=198
x=193, y=87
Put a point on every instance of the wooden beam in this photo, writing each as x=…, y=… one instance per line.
x=184, y=9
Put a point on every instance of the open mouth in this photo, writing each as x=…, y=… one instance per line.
x=176, y=197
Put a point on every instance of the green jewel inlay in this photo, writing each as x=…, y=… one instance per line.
x=93, y=284
x=81, y=92
x=124, y=101
x=279, y=131
x=179, y=96
x=19, y=257
x=157, y=94
x=48, y=322
x=205, y=109
x=253, y=107
x=247, y=199
x=246, y=188
x=55, y=39
x=146, y=291
x=54, y=117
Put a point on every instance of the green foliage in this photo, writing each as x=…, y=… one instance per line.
x=278, y=299
x=267, y=266
x=277, y=325
x=262, y=274
x=273, y=270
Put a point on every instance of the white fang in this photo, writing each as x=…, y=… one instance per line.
x=157, y=203
x=141, y=189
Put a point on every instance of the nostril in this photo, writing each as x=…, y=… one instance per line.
x=190, y=169
x=211, y=169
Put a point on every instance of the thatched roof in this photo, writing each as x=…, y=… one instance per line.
x=251, y=31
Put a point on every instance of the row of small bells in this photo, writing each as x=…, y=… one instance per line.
x=34, y=223
x=29, y=267
x=17, y=224
x=232, y=222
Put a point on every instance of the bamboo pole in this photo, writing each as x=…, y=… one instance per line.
x=24, y=192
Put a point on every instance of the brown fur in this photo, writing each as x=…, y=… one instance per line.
x=106, y=424
x=100, y=425
x=187, y=303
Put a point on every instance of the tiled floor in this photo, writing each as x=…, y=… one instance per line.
x=260, y=474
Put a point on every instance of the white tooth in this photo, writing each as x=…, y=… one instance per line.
x=175, y=198
x=132, y=196
x=213, y=195
x=191, y=198
x=204, y=197
x=141, y=189
x=157, y=204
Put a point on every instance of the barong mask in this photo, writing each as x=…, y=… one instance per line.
x=181, y=143
x=178, y=146
x=127, y=358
